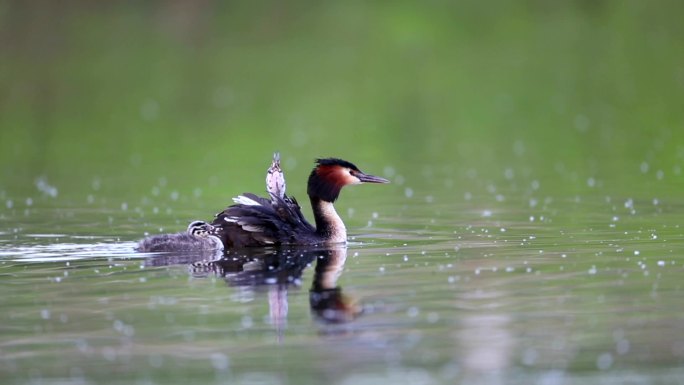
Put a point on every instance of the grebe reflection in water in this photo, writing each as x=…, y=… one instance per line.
x=277, y=271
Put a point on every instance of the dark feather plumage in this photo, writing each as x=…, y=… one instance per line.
x=336, y=162
x=277, y=222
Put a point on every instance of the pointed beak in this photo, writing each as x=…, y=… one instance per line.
x=365, y=178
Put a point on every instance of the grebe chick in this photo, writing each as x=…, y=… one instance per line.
x=257, y=221
x=200, y=236
x=200, y=229
x=275, y=180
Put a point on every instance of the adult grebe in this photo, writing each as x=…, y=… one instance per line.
x=256, y=221
x=198, y=237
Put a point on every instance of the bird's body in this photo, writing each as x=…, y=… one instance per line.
x=198, y=237
x=257, y=221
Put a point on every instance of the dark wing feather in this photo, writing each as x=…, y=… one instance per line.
x=257, y=221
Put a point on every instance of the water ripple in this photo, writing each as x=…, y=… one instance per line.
x=69, y=251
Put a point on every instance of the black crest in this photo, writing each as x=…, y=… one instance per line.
x=335, y=162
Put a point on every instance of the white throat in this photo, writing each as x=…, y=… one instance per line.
x=338, y=233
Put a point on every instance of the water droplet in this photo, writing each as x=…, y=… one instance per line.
x=591, y=182
x=604, y=361
x=389, y=171
x=413, y=311
x=109, y=353
x=530, y=357
x=43, y=186
x=220, y=361
x=622, y=347
x=582, y=123
x=149, y=110
x=408, y=192
x=643, y=167
x=247, y=322
x=519, y=147
x=156, y=360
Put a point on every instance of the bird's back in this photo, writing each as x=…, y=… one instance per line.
x=256, y=221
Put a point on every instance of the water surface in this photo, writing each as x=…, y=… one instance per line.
x=437, y=289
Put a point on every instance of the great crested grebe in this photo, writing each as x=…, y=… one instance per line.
x=256, y=221
x=198, y=237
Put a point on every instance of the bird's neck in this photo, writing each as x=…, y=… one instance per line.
x=329, y=225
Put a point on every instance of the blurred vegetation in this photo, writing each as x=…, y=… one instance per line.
x=201, y=93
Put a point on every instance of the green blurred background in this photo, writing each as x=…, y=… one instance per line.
x=508, y=129
x=116, y=95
